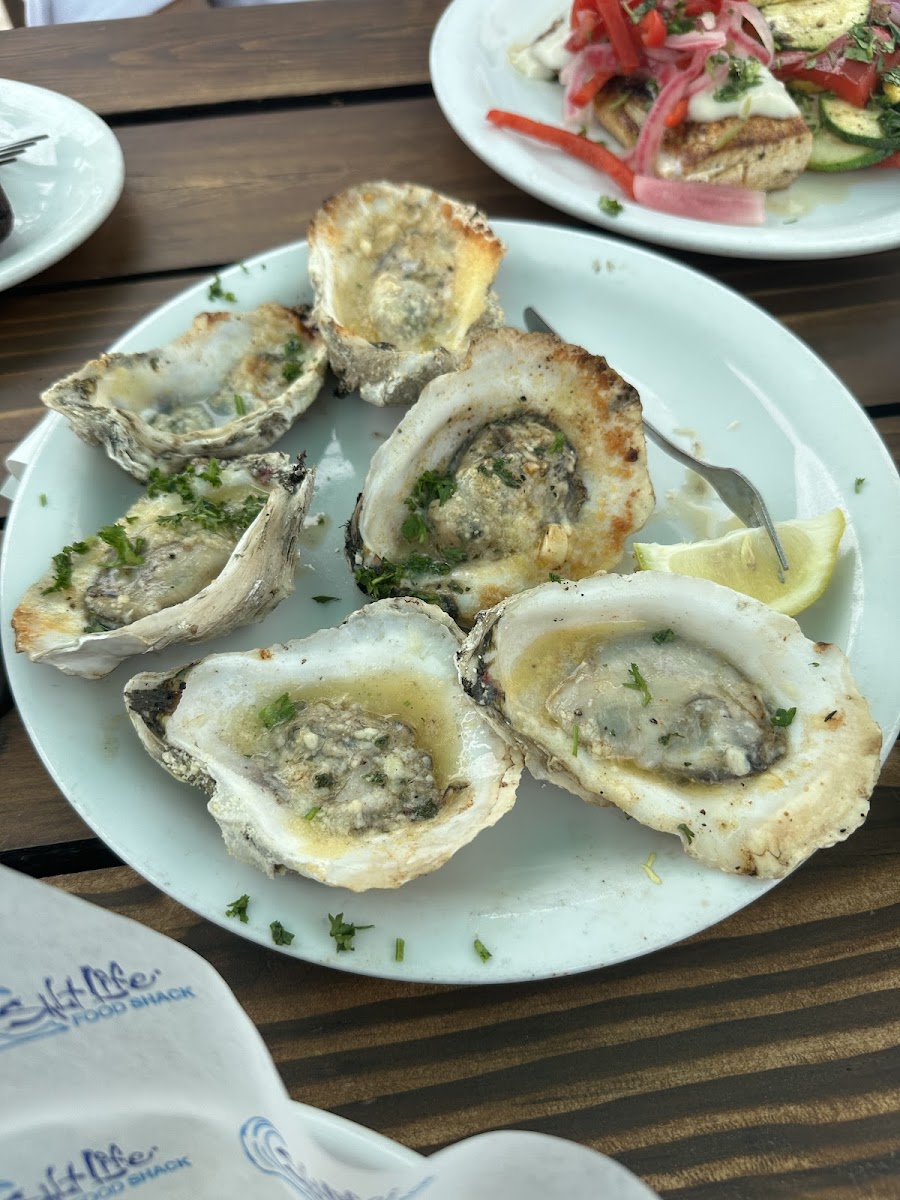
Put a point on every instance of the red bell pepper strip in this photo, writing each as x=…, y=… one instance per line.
x=852, y=80
x=620, y=35
x=589, y=89
x=677, y=115
x=892, y=160
x=652, y=28
x=589, y=152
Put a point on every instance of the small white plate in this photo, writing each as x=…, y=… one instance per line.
x=60, y=190
x=556, y=886
x=819, y=216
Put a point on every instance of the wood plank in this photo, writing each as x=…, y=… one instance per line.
x=175, y=59
x=756, y=1060
x=216, y=190
x=34, y=812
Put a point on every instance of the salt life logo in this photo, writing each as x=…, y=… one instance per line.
x=96, y=1174
x=266, y=1149
x=92, y=995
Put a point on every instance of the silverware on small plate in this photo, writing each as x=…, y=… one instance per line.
x=733, y=488
x=9, y=153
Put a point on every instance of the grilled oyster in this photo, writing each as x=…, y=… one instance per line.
x=694, y=709
x=231, y=385
x=203, y=552
x=402, y=279
x=529, y=460
x=353, y=756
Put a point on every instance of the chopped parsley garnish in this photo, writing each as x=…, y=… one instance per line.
x=430, y=487
x=238, y=908
x=558, y=443
x=863, y=45
x=639, y=684
x=575, y=741
x=244, y=268
x=892, y=76
x=343, y=932
x=382, y=741
x=667, y=737
x=641, y=11
x=481, y=950
x=743, y=74
x=239, y=406
x=43, y=499
x=415, y=528
x=293, y=360
x=813, y=664
x=783, y=717
x=664, y=635
x=312, y=813
x=384, y=580
x=858, y=483
x=399, y=949
x=217, y=514
x=95, y=627
x=128, y=553
x=680, y=23
x=217, y=292
x=687, y=831
x=324, y=780
x=280, y=935
x=376, y=778
x=503, y=473
x=159, y=484
x=426, y=811
x=554, y=578
x=280, y=710
x=212, y=473
x=610, y=206
x=325, y=599
x=62, y=564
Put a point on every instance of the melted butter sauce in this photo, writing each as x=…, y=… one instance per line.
x=557, y=653
x=407, y=698
x=806, y=194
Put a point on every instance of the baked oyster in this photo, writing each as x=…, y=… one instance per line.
x=696, y=710
x=352, y=756
x=402, y=278
x=231, y=385
x=201, y=553
x=527, y=462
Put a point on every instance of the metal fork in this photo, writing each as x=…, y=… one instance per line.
x=9, y=154
x=734, y=489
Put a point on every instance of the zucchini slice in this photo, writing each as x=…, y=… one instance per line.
x=831, y=153
x=861, y=126
x=813, y=24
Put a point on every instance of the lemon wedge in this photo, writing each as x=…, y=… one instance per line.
x=745, y=560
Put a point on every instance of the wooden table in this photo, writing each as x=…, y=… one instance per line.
x=759, y=1060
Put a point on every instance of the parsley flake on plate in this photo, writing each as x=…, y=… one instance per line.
x=238, y=908
x=280, y=935
x=344, y=932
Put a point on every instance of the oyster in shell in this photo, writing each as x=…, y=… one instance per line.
x=229, y=386
x=203, y=552
x=696, y=710
x=353, y=756
x=528, y=461
x=402, y=279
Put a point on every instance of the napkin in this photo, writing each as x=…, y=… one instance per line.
x=127, y=1066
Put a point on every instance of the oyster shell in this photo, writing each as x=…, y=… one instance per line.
x=693, y=708
x=402, y=279
x=527, y=461
x=352, y=756
x=229, y=386
x=200, y=554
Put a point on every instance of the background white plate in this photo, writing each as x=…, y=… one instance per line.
x=556, y=886
x=60, y=190
x=819, y=216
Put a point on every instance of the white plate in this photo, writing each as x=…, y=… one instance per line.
x=60, y=190
x=556, y=886
x=819, y=216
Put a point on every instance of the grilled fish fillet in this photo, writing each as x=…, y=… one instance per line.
x=765, y=153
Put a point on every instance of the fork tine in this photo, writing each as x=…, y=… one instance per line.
x=9, y=158
x=23, y=144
